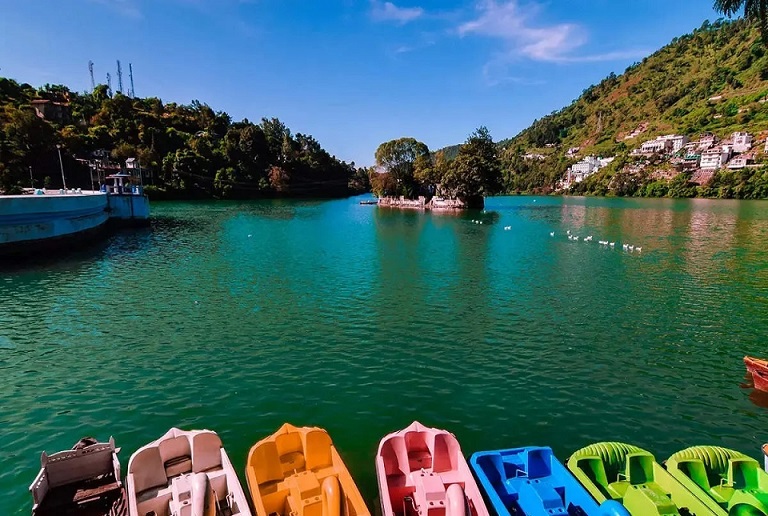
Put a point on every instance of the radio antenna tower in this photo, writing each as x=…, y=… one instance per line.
x=119, y=77
x=131, y=92
x=109, y=85
x=90, y=69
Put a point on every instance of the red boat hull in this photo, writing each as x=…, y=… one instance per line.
x=759, y=370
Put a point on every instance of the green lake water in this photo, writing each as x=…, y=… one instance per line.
x=241, y=316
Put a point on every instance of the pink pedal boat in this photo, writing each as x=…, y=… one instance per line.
x=422, y=472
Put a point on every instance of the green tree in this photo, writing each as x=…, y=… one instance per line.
x=754, y=10
x=476, y=171
x=400, y=159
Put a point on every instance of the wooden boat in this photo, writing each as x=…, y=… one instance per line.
x=298, y=472
x=83, y=481
x=631, y=475
x=758, y=368
x=421, y=471
x=727, y=481
x=184, y=473
x=532, y=482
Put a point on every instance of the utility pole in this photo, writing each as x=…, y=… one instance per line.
x=31, y=180
x=61, y=164
x=109, y=85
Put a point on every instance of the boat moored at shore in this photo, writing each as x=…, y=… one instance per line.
x=422, y=471
x=532, y=482
x=631, y=475
x=727, y=481
x=298, y=472
x=83, y=481
x=184, y=472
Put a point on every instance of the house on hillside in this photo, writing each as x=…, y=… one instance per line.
x=740, y=161
x=58, y=112
x=691, y=161
x=714, y=158
x=707, y=140
x=742, y=142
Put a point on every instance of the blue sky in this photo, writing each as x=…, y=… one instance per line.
x=353, y=73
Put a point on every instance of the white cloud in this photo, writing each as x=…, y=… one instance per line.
x=387, y=11
x=516, y=26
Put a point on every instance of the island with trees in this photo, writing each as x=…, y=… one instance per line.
x=408, y=175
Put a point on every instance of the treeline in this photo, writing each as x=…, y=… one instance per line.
x=405, y=167
x=191, y=151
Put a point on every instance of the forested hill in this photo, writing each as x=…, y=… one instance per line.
x=715, y=79
x=191, y=150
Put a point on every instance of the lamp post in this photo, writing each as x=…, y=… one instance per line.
x=31, y=179
x=61, y=164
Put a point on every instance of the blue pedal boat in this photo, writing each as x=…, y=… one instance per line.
x=531, y=481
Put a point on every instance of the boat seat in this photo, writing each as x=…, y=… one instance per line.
x=317, y=450
x=639, y=468
x=594, y=469
x=696, y=471
x=743, y=474
x=265, y=463
x=445, y=451
x=60, y=471
x=539, y=462
x=174, y=447
x=147, y=469
x=206, y=452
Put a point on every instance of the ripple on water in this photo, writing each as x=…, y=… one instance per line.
x=362, y=320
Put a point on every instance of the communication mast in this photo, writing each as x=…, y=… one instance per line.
x=90, y=69
x=119, y=77
x=131, y=92
x=109, y=85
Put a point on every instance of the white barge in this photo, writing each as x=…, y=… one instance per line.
x=48, y=219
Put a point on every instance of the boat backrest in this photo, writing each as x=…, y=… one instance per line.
x=539, y=462
x=394, y=457
x=446, y=451
x=317, y=449
x=147, y=469
x=265, y=462
x=743, y=473
x=594, y=468
x=639, y=469
x=288, y=443
x=206, y=451
x=696, y=471
x=72, y=466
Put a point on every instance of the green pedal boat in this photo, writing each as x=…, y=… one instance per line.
x=631, y=475
x=728, y=482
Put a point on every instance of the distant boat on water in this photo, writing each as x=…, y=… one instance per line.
x=758, y=368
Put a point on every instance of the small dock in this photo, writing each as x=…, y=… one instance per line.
x=375, y=201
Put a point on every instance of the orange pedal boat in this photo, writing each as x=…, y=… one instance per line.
x=759, y=370
x=298, y=472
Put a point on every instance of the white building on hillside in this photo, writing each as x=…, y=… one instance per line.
x=714, y=158
x=742, y=142
x=669, y=143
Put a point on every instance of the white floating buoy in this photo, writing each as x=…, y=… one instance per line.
x=612, y=244
x=631, y=248
x=197, y=302
x=552, y=233
x=249, y=236
x=638, y=249
x=569, y=231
